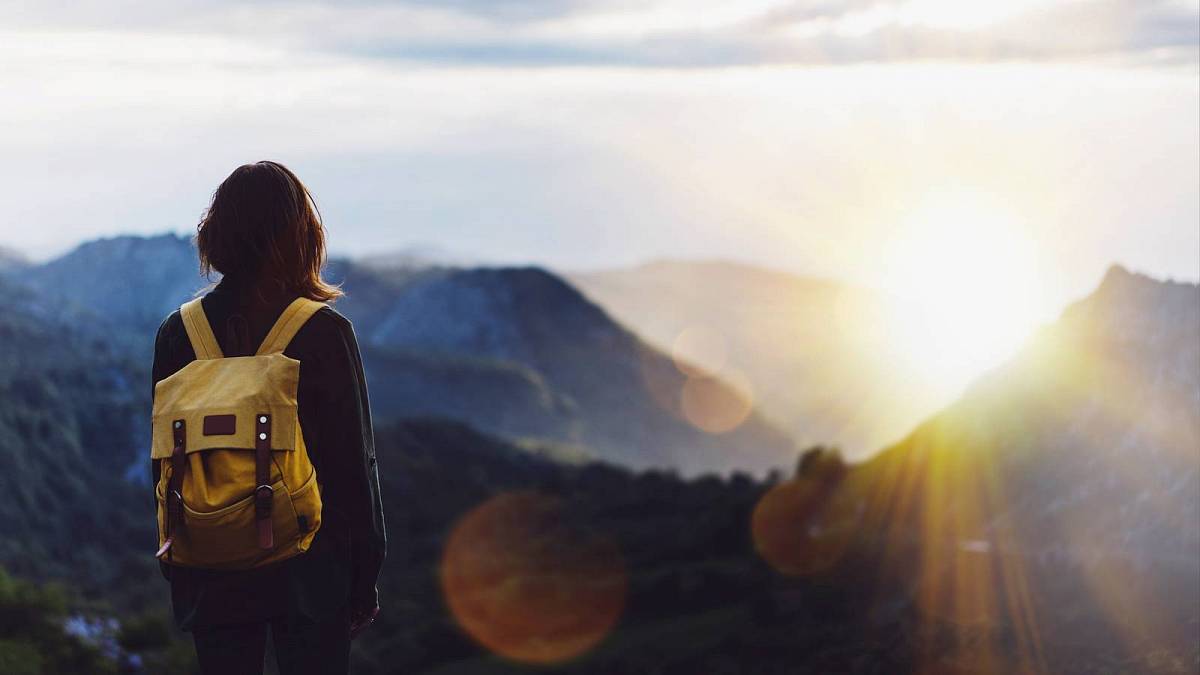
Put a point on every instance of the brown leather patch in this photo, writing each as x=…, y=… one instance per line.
x=219, y=425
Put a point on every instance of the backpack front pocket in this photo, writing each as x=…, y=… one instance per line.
x=228, y=537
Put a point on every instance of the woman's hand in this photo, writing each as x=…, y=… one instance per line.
x=360, y=620
x=363, y=611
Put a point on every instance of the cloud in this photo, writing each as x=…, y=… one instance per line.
x=668, y=33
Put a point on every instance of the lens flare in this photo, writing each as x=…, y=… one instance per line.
x=803, y=526
x=662, y=381
x=527, y=583
x=717, y=406
x=699, y=351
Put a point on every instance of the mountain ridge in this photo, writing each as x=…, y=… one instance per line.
x=809, y=346
x=515, y=351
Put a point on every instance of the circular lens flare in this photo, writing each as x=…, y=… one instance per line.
x=527, y=583
x=661, y=379
x=699, y=351
x=717, y=406
x=803, y=526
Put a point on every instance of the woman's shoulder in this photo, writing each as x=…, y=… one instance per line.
x=325, y=329
x=171, y=324
x=329, y=319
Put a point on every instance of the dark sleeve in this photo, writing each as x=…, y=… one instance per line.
x=167, y=360
x=344, y=446
x=156, y=374
x=172, y=351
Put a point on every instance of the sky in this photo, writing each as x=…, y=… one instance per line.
x=806, y=135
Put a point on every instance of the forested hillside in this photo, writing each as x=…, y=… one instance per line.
x=1043, y=523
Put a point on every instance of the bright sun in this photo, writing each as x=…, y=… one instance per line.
x=964, y=277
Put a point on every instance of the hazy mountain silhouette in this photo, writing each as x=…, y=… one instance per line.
x=810, y=347
x=415, y=256
x=11, y=260
x=514, y=351
x=520, y=352
x=128, y=281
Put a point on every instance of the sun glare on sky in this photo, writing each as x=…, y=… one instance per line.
x=955, y=14
x=964, y=278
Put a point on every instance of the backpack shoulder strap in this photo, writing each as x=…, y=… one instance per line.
x=199, y=332
x=288, y=325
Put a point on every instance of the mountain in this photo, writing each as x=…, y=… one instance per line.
x=12, y=260
x=1061, y=494
x=1045, y=522
x=809, y=347
x=73, y=419
x=415, y=256
x=1098, y=416
x=520, y=352
x=128, y=282
x=513, y=351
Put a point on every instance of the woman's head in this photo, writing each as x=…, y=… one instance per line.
x=263, y=226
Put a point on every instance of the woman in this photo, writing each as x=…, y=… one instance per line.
x=263, y=235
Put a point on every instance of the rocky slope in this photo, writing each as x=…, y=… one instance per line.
x=520, y=352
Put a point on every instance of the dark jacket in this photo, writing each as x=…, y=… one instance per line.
x=343, y=562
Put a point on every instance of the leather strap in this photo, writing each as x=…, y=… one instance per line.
x=199, y=331
x=288, y=324
x=264, y=494
x=174, y=520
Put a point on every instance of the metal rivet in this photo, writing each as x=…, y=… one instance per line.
x=178, y=424
x=262, y=436
x=262, y=419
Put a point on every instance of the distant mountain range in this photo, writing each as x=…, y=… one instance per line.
x=73, y=425
x=809, y=347
x=1048, y=521
x=11, y=260
x=514, y=351
x=129, y=283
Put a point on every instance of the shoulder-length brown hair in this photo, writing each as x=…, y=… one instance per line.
x=263, y=227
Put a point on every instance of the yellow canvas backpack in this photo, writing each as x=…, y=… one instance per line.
x=236, y=489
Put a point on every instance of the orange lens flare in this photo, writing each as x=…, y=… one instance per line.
x=529, y=585
x=717, y=406
x=662, y=380
x=803, y=526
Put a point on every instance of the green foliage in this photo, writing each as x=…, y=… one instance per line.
x=33, y=638
x=19, y=658
x=145, y=632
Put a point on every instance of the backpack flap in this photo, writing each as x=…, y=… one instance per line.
x=220, y=399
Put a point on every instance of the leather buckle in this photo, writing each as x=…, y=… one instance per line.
x=264, y=499
x=174, y=502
